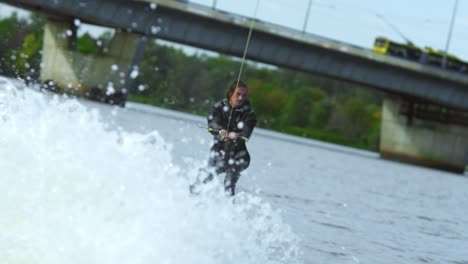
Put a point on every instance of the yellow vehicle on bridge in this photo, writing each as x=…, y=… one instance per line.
x=426, y=55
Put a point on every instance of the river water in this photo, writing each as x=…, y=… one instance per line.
x=83, y=182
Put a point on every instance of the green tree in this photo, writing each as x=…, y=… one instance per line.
x=351, y=117
x=86, y=44
x=21, y=45
x=321, y=114
x=300, y=108
x=26, y=57
x=12, y=32
x=269, y=101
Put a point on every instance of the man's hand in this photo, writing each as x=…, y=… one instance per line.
x=223, y=133
x=231, y=135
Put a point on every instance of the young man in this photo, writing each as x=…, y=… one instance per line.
x=231, y=122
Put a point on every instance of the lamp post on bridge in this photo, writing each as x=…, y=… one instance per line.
x=452, y=21
x=214, y=4
x=306, y=19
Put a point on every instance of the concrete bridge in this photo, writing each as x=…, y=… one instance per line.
x=425, y=115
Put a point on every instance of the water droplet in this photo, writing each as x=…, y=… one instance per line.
x=77, y=22
x=134, y=73
x=115, y=67
x=155, y=29
x=110, y=89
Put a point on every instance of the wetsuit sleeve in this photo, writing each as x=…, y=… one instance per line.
x=249, y=123
x=215, y=120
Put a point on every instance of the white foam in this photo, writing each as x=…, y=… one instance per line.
x=74, y=191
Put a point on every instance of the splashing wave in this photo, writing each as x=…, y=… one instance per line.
x=75, y=191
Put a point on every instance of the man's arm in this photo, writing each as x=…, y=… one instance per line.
x=215, y=121
x=247, y=127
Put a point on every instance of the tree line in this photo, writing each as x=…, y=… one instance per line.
x=284, y=100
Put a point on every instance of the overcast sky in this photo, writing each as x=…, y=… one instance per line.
x=424, y=22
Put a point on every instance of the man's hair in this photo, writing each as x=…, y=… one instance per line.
x=233, y=87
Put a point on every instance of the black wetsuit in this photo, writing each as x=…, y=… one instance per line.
x=230, y=156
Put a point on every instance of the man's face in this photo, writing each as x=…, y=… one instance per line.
x=238, y=97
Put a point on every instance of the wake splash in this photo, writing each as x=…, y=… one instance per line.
x=74, y=191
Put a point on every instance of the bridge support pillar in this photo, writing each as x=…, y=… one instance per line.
x=406, y=137
x=95, y=75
